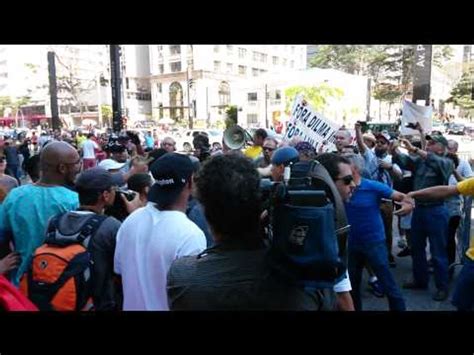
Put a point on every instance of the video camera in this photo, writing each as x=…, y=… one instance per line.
x=118, y=209
x=307, y=227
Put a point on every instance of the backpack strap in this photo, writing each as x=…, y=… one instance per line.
x=90, y=227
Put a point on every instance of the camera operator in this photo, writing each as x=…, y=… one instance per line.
x=233, y=274
x=282, y=158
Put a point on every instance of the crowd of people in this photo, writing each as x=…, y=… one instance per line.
x=105, y=222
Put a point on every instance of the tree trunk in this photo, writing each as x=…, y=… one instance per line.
x=380, y=110
x=389, y=109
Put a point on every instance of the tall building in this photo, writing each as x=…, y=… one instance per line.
x=135, y=62
x=83, y=80
x=199, y=81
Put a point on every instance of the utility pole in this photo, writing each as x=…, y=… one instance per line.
x=53, y=91
x=115, y=82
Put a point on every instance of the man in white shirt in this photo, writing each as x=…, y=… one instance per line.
x=151, y=238
x=88, y=152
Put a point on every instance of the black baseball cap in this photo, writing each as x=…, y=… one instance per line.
x=172, y=172
x=97, y=179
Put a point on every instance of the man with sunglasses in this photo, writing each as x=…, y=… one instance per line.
x=28, y=208
x=264, y=163
x=366, y=236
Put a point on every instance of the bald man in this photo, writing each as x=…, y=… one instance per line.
x=28, y=208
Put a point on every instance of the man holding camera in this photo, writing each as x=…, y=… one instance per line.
x=430, y=218
x=379, y=166
x=97, y=189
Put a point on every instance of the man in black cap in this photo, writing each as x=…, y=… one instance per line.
x=430, y=218
x=158, y=234
x=96, y=188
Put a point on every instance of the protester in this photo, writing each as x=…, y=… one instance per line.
x=366, y=236
x=253, y=152
x=169, y=144
x=88, y=148
x=27, y=208
x=463, y=297
x=159, y=233
x=430, y=218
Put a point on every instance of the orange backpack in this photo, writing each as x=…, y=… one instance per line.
x=59, y=278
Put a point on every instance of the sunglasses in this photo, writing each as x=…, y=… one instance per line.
x=381, y=142
x=346, y=179
x=269, y=149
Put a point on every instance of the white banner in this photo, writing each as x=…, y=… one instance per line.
x=412, y=113
x=313, y=127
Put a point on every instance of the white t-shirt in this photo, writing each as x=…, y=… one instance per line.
x=88, y=149
x=148, y=242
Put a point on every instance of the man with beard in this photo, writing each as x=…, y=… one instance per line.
x=430, y=217
x=380, y=168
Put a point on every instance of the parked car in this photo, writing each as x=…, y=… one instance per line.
x=456, y=128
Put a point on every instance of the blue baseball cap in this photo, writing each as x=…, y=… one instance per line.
x=172, y=172
x=285, y=156
x=97, y=179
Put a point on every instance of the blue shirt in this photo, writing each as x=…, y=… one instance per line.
x=149, y=142
x=27, y=210
x=363, y=212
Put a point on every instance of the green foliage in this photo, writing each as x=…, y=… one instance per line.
x=381, y=63
x=461, y=95
x=231, y=116
x=316, y=96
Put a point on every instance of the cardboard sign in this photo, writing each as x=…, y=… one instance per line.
x=313, y=127
x=415, y=113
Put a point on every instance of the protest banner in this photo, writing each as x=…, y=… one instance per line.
x=311, y=126
x=412, y=113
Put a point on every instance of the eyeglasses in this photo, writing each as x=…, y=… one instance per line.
x=381, y=142
x=269, y=149
x=346, y=179
x=172, y=144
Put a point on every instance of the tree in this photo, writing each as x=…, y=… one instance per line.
x=316, y=96
x=71, y=88
x=231, y=116
x=381, y=63
x=462, y=95
x=106, y=113
x=389, y=93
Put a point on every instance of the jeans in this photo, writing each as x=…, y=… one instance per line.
x=463, y=297
x=375, y=254
x=13, y=171
x=386, y=210
x=430, y=222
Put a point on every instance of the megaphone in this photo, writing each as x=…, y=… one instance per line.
x=236, y=137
